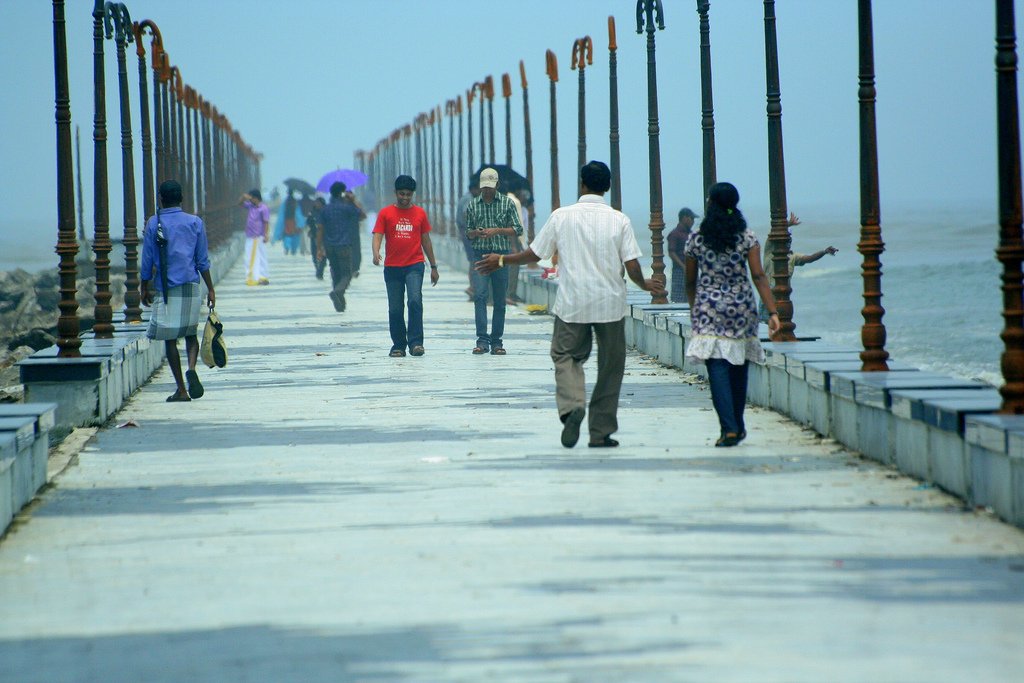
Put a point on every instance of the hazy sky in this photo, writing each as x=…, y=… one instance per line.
x=309, y=81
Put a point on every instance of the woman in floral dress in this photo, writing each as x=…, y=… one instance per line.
x=723, y=311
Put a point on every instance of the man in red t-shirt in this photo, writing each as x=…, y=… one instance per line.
x=405, y=230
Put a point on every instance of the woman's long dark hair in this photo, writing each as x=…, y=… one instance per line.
x=723, y=223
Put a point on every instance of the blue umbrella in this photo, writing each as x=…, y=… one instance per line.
x=351, y=177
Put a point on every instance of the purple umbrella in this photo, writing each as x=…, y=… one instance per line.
x=351, y=177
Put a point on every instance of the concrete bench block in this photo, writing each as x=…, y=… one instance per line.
x=844, y=420
x=758, y=392
x=991, y=480
x=778, y=380
x=911, y=447
x=874, y=431
x=947, y=462
x=8, y=453
x=24, y=468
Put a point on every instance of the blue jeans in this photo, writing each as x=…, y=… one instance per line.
x=403, y=281
x=498, y=281
x=728, y=393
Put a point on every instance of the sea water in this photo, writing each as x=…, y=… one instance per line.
x=941, y=282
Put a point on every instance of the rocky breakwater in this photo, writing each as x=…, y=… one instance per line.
x=29, y=312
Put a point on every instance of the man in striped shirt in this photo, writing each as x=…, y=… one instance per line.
x=595, y=242
x=492, y=222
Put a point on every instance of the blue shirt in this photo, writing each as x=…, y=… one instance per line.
x=187, y=254
x=340, y=222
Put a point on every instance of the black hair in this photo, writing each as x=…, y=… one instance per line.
x=596, y=176
x=337, y=188
x=723, y=222
x=405, y=182
x=170, y=193
x=256, y=193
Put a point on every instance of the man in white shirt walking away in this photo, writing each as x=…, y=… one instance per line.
x=594, y=242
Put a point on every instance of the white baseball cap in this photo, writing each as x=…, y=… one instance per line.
x=488, y=178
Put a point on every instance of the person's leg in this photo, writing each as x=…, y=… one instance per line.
x=252, y=257
x=499, y=289
x=174, y=363
x=738, y=385
x=334, y=258
x=611, y=363
x=414, y=291
x=195, y=387
x=394, y=280
x=357, y=253
x=344, y=275
x=481, y=283
x=262, y=266
x=678, y=284
x=721, y=394
x=570, y=348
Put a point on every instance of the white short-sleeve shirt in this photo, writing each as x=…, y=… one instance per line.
x=593, y=240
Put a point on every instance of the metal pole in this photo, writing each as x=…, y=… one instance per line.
x=122, y=36
x=469, y=127
x=506, y=92
x=652, y=11
x=707, y=120
x=613, y=128
x=527, y=134
x=552, y=72
x=489, y=93
x=872, y=334
x=779, y=234
x=81, y=194
x=103, y=315
x=1011, y=243
x=148, y=191
x=484, y=161
x=439, y=169
x=461, y=175
x=449, y=109
x=68, y=341
x=582, y=54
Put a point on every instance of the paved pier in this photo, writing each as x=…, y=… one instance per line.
x=326, y=513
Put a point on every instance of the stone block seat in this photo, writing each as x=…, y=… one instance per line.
x=24, y=446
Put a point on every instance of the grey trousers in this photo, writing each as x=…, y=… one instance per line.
x=570, y=347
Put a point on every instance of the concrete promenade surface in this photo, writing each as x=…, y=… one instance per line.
x=326, y=513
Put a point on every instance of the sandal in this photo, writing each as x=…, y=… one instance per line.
x=176, y=397
x=417, y=351
x=498, y=351
x=397, y=353
x=479, y=350
x=195, y=387
x=727, y=440
x=606, y=442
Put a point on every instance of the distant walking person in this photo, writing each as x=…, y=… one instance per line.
x=595, y=241
x=722, y=309
x=174, y=256
x=405, y=231
x=676, y=245
x=313, y=224
x=257, y=234
x=290, y=223
x=460, y=222
x=339, y=221
x=492, y=223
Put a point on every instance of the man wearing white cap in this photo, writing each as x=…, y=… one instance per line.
x=492, y=222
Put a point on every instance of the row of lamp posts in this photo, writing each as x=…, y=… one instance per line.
x=385, y=161
x=184, y=138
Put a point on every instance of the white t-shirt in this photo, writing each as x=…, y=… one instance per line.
x=593, y=240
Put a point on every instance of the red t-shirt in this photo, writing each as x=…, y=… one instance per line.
x=403, y=231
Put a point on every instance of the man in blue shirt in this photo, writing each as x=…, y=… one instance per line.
x=174, y=256
x=339, y=234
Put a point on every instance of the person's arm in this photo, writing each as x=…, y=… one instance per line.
x=355, y=202
x=676, y=259
x=804, y=259
x=491, y=262
x=320, y=251
x=211, y=297
x=148, y=262
x=764, y=289
x=471, y=228
x=636, y=274
x=378, y=237
x=691, y=281
x=428, y=249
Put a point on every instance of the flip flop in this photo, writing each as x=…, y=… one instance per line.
x=607, y=442
x=417, y=351
x=498, y=351
x=479, y=350
x=195, y=387
x=176, y=397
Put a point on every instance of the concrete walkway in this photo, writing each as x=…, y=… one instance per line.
x=326, y=513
